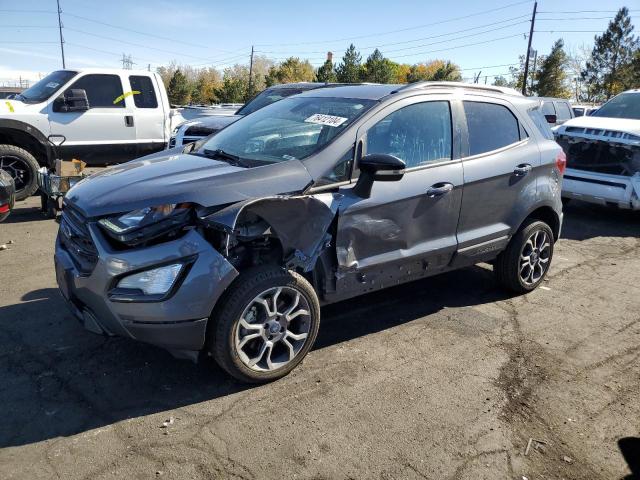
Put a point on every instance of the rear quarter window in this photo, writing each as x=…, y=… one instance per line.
x=541, y=123
x=491, y=126
x=564, y=112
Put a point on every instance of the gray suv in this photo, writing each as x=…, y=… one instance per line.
x=229, y=246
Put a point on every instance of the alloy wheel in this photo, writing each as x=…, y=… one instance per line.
x=18, y=169
x=273, y=329
x=535, y=256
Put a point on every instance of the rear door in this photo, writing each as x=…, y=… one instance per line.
x=148, y=115
x=408, y=227
x=104, y=134
x=499, y=176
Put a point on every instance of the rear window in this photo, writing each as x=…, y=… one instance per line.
x=144, y=96
x=491, y=126
x=564, y=112
x=541, y=123
x=547, y=108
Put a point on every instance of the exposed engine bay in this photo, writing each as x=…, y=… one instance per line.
x=601, y=156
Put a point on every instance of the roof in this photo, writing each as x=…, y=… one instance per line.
x=109, y=70
x=378, y=91
x=364, y=91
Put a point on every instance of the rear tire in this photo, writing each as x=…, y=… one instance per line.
x=23, y=167
x=524, y=264
x=265, y=324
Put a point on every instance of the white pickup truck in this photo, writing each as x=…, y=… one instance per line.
x=104, y=117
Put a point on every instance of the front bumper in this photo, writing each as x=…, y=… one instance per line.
x=177, y=323
x=602, y=188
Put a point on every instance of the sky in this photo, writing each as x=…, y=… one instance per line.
x=482, y=36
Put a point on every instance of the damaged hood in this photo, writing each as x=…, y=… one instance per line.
x=173, y=177
x=590, y=127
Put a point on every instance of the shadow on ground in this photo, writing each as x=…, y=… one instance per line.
x=583, y=221
x=59, y=380
x=630, y=449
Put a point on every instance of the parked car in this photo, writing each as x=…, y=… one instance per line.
x=7, y=195
x=603, y=153
x=195, y=130
x=107, y=116
x=556, y=110
x=231, y=247
x=583, y=110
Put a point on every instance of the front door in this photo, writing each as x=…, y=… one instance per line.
x=104, y=134
x=407, y=228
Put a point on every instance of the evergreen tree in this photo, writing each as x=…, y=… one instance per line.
x=179, y=89
x=326, y=73
x=378, y=69
x=552, y=77
x=349, y=70
x=613, y=50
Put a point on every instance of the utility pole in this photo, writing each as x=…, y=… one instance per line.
x=60, y=29
x=250, y=75
x=535, y=61
x=526, y=63
x=477, y=77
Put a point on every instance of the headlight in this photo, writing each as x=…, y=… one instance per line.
x=147, y=223
x=152, y=282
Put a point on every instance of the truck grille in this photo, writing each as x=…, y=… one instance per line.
x=600, y=156
x=76, y=240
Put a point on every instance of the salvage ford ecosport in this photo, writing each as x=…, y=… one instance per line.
x=229, y=246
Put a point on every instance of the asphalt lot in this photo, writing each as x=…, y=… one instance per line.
x=444, y=378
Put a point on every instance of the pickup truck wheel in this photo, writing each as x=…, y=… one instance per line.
x=22, y=166
x=266, y=324
x=525, y=262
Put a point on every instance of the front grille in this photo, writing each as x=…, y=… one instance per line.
x=600, y=156
x=76, y=240
x=199, y=131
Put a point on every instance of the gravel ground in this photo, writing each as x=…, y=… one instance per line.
x=444, y=378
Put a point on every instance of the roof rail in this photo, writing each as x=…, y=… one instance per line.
x=473, y=86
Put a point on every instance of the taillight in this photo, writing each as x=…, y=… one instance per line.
x=4, y=208
x=561, y=162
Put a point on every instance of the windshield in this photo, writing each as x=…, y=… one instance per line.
x=47, y=86
x=294, y=128
x=269, y=96
x=625, y=105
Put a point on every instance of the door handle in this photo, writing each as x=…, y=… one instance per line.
x=128, y=120
x=439, y=189
x=522, y=169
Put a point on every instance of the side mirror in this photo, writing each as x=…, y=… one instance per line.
x=551, y=118
x=378, y=167
x=75, y=100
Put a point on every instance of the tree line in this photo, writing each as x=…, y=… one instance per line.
x=186, y=84
x=595, y=75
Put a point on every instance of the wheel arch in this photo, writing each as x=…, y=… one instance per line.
x=23, y=135
x=545, y=213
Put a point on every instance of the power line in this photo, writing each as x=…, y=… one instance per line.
x=484, y=12
x=583, y=11
x=132, y=30
x=426, y=38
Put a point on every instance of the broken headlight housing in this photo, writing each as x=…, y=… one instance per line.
x=147, y=223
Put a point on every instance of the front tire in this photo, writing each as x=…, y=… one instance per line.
x=23, y=167
x=522, y=267
x=266, y=324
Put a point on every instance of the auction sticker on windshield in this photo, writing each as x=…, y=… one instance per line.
x=329, y=120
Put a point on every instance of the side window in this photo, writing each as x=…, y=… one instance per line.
x=340, y=172
x=547, y=108
x=541, y=123
x=563, y=110
x=491, y=126
x=144, y=96
x=419, y=134
x=103, y=91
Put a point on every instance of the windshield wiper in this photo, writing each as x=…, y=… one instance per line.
x=231, y=159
